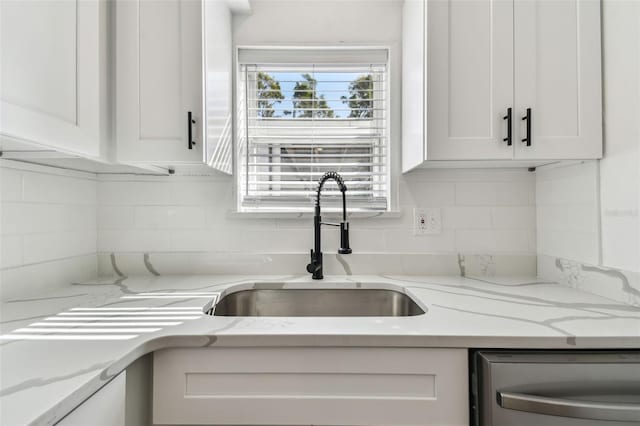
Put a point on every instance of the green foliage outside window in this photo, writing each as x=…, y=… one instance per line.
x=306, y=101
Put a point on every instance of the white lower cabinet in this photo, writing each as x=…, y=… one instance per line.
x=303, y=386
x=104, y=408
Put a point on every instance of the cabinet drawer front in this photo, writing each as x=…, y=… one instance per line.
x=329, y=386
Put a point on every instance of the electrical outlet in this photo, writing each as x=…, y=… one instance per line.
x=426, y=221
x=419, y=221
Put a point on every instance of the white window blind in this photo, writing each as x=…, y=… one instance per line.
x=298, y=119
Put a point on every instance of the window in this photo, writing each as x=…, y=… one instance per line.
x=303, y=112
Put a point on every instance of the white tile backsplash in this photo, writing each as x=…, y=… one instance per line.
x=404, y=241
x=48, y=225
x=476, y=193
x=11, y=251
x=500, y=241
x=151, y=217
x=30, y=218
x=512, y=241
x=58, y=245
x=50, y=188
x=191, y=240
x=436, y=193
x=196, y=191
x=51, y=217
x=460, y=217
x=514, y=194
x=133, y=240
x=49, y=214
x=180, y=213
x=567, y=203
x=186, y=217
x=11, y=184
x=43, y=277
x=475, y=241
x=513, y=217
x=116, y=217
x=145, y=193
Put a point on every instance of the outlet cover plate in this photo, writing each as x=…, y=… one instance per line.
x=427, y=221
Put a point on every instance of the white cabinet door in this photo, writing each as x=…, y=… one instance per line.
x=104, y=408
x=218, y=54
x=557, y=76
x=470, y=78
x=159, y=80
x=319, y=386
x=414, y=69
x=52, y=70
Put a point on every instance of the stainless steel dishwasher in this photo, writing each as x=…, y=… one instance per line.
x=547, y=388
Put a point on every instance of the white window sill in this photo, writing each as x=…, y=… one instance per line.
x=233, y=214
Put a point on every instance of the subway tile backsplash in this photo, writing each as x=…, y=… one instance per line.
x=46, y=215
x=59, y=226
x=490, y=212
x=48, y=227
x=567, y=212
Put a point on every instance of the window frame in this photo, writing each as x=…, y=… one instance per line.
x=238, y=91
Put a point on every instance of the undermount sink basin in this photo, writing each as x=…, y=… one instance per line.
x=320, y=302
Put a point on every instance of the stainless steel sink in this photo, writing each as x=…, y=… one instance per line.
x=321, y=302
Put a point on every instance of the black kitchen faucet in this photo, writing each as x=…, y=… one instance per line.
x=315, y=267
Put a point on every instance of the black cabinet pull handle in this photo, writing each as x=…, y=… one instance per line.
x=508, y=118
x=527, y=118
x=190, y=123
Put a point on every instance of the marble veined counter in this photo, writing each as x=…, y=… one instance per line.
x=57, y=349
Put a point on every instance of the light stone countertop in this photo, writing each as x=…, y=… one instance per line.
x=44, y=375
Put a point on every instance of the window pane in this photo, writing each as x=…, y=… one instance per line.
x=297, y=122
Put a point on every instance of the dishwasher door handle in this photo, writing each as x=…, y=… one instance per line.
x=617, y=412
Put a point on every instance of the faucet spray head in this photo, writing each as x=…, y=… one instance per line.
x=344, y=238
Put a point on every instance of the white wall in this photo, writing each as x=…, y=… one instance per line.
x=620, y=168
x=319, y=22
x=47, y=226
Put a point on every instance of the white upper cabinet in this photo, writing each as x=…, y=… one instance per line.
x=159, y=81
x=174, y=81
x=484, y=64
x=558, y=77
x=54, y=74
x=470, y=79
